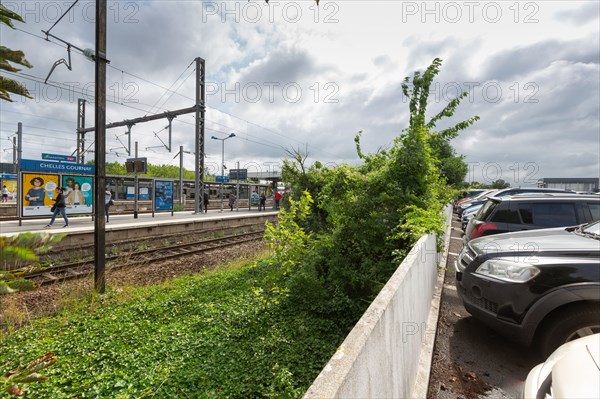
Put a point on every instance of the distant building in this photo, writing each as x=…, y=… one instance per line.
x=9, y=168
x=585, y=184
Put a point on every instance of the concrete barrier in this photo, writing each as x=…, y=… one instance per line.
x=388, y=352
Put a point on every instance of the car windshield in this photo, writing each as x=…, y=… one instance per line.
x=592, y=229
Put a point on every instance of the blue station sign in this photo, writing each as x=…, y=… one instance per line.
x=57, y=157
x=56, y=167
x=222, y=179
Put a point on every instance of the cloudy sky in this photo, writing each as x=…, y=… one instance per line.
x=291, y=75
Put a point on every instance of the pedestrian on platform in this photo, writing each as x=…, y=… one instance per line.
x=277, y=198
x=206, y=200
x=263, y=202
x=232, y=199
x=107, y=202
x=4, y=193
x=59, y=207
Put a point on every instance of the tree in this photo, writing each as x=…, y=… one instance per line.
x=7, y=56
x=366, y=218
x=500, y=184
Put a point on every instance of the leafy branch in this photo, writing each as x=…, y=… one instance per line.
x=13, y=380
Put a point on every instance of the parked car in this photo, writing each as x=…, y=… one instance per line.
x=480, y=198
x=468, y=214
x=537, y=287
x=470, y=195
x=514, y=191
x=572, y=371
x=532, y=211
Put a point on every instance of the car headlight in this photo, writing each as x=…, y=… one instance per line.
x=507, y=270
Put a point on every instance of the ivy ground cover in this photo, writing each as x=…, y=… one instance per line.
x=204, y=336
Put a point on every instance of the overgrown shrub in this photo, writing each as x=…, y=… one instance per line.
x=365, y=218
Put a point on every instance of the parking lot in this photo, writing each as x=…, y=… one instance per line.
x=470, y=360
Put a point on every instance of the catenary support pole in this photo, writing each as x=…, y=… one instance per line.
x=80, y=133
x=199, y=150
x=100, y=148
x=136, y=188
x=18, y=170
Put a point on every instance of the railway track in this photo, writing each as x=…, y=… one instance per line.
x=73, y=270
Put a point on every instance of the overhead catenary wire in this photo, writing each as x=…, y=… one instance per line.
x=175, y=92
x=169, y=89
x=250, y=138
x=62, y=16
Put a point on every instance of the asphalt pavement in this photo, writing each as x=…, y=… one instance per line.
x=471, y=360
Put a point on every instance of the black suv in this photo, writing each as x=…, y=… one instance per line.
x=532, y=211
x=538, y=286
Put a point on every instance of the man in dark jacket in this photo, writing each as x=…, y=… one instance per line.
x=206, y=200
x=59, y=207
x=263, y=202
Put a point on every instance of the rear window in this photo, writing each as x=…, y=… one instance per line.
x=550, y=215
x=506, y=216
x=595, y=210
x=486, y=210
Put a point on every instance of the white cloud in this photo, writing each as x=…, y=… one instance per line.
x=290, y=74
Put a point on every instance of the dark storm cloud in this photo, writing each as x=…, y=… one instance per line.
x=546, y=138
x=280, y=66
x=587, y=13
x=517, y=62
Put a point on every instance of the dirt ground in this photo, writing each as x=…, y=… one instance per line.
x=470, y=360
x=18, y=308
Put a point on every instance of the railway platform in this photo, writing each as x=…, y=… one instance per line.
x=126, y=228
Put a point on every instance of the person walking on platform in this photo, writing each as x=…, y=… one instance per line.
x=59, y=207
x=277, y=198
x=232, y=199
x=4, y=193
x=107, y=202
x=206, y=200
x=263, y=202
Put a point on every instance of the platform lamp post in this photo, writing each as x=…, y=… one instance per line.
x=222, y=162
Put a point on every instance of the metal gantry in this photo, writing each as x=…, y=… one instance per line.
x=198, y=109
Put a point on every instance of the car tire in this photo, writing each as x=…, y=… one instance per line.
x=568, y=324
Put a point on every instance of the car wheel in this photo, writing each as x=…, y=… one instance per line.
x=567, y=325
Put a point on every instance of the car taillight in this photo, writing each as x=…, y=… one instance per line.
x=480, y=228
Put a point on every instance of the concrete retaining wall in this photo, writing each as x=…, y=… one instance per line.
x=382, y=357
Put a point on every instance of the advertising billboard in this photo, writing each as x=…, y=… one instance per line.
x=79, y=195
x=38, y=193
x=163, y=195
